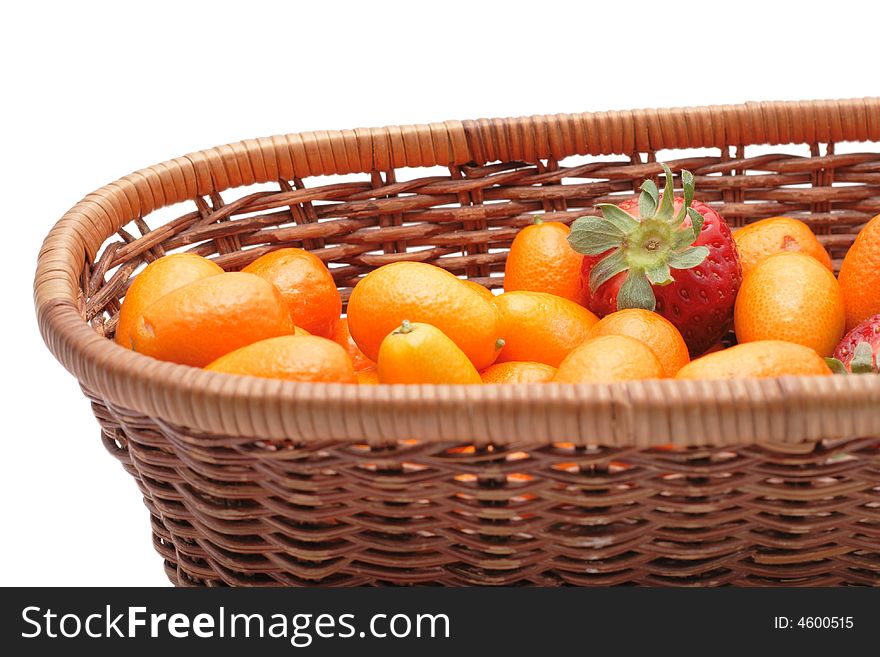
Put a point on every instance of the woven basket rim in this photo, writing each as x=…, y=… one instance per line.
x=629, y=413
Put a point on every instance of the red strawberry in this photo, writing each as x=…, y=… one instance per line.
x=854, y=356
x=672, y=255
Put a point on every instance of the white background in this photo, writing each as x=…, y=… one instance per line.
x=92, y=92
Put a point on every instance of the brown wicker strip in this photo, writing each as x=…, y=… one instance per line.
x=255, y=482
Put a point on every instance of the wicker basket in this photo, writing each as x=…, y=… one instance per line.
x=255, y=481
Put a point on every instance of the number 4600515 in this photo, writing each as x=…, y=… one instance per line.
x=814, y=622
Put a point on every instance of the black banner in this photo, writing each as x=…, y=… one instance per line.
x=434, y=621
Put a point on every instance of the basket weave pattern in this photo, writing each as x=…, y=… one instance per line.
x=253, y=482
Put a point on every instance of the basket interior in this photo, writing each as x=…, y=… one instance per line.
x=464, y=217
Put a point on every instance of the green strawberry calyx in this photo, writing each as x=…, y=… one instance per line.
x=647, y=248
x=862, y=362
